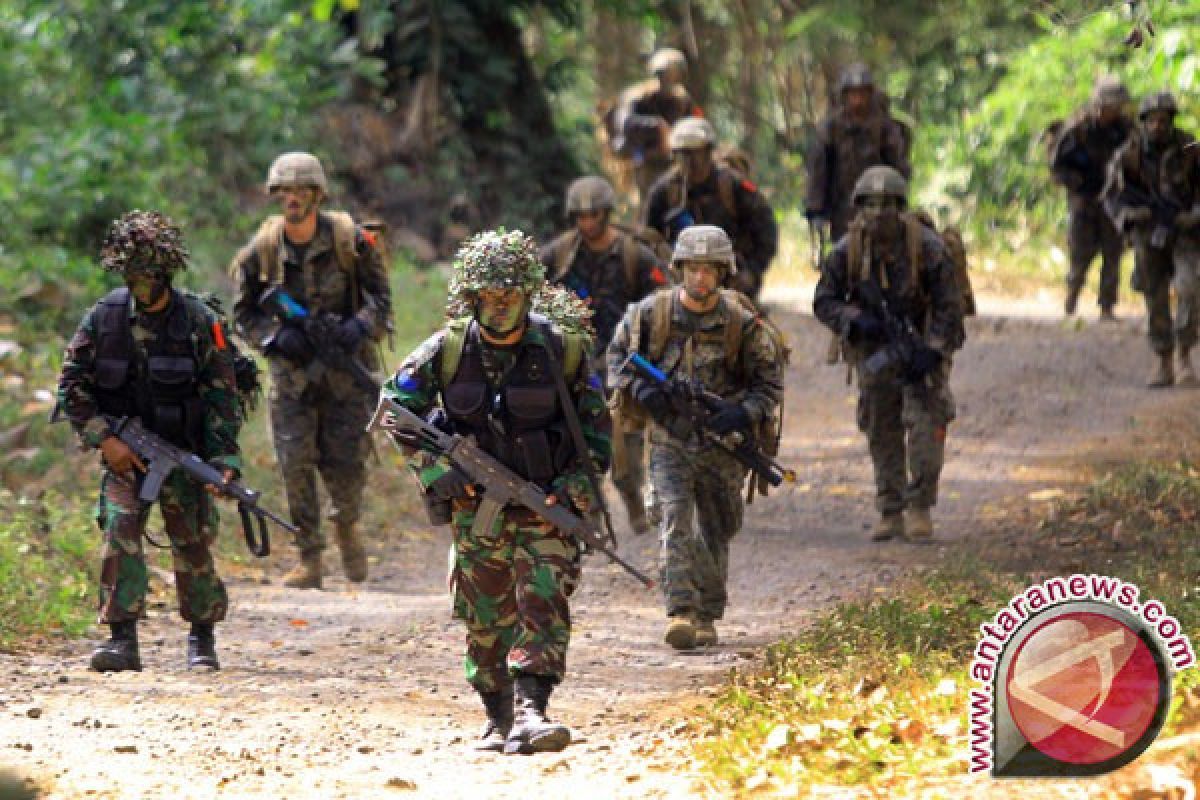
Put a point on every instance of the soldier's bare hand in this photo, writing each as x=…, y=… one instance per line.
x=119, y=457
x=218, y=491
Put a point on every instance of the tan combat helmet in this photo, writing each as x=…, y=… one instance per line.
x=704, y=243
x=855, y=76
x=669, y=60
x=1109, y=91
x=691, y=133
x=880, y=181
x=296, y=169
x=590, y=193
x=1158, y=101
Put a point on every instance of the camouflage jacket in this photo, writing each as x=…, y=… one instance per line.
x=1083, y=150
x=695, y=350
x=935, y=306
x=641, y=111
x=215, y=382
x=840, y=151
x=1142, y=176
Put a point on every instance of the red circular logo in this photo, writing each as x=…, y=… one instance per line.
x=1083, y=688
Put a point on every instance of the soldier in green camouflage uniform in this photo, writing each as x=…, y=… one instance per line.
x=698, y=484
x=333, y=268
x=904, y=409
x=158, y=353
x=489, y=375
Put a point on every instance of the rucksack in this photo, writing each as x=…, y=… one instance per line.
x=575, y=344
x=566, y=245
x=246, y=372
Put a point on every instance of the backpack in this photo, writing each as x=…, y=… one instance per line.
x=567, y=245
x=246, y=372
x=575, y=343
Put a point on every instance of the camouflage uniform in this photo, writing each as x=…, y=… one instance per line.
x=1080, y=160
x=640, y=115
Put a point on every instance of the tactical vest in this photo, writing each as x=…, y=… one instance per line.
x=520, y=421
x=159, y=384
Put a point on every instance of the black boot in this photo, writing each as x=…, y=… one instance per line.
x=499, y=706
x=120, y=652
x=202, y=647
x=531, y=731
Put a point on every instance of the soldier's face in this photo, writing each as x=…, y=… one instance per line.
x=146, y=287
x=858, y=100
x=881, y=216
x=701, y=279
x=694, y=163
x=297, y=202
x=1158, y=125
x=671, y=76
x=501, y=311
x=1108, y=113
x=591, y=223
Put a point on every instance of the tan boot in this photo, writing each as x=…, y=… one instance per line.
x=918, y=525
x=306, y=574
x=681, y=633
x=1163, y=375
x=1187, y=375
x=706, y=631
x=889, y=526
x=354, y=557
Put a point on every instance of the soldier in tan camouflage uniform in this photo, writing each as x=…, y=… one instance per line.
x=319, y=414
x=903, y=408
x=698, y=484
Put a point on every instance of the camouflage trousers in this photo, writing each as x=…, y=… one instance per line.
x=320, y=428
x=630, y=483
x=699, y=494
x=190, y=518
x=511, y=585
x=906, y=435
x=1090, y=231
x=1175, y=266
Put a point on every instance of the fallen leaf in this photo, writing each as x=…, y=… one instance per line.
x=778, y=738
x=298, y=623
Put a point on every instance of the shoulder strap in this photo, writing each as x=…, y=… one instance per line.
x=112, y=325
x=737, y=311
x=660, y=324
x=266, y=248
x=913, y=234
x=854, y=252
x=573, y=343
x=629, y=256
x=452, y=348
x=725, y=178
x=564, y=248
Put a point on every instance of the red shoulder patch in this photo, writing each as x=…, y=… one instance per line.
x=218, y=336
x=657, y=276
x=697, y=111
x=369, y=237
x=749, y=186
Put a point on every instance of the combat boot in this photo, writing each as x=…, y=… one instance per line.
x=531, y=731
x=202, y=647
x=889, y=526
x=706, y=631
x=354, y=557
x=306, y=574
x=1187, y=375
x=1163, y=375
x=1107, y=315
x=499, y=707
x=681, y=633
x=918, y=525
x=1072, y=300
x=639, y=524
x=120, y=652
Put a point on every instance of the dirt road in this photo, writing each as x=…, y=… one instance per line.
x=353, y=694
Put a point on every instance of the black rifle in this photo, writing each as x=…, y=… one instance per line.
x=162, y=458
x=696, y=407
x=901, y=338
x=320, y=331
x=500, y=485
x=1163, y=212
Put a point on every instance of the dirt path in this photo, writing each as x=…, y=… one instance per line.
x=354, y=694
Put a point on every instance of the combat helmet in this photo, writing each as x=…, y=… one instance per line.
x=855, y=76
x=880, y=181
x=1158, y=101
x=144, y=241
x=296, y=169
x=704, y=243
x=1110, y=91
x=668, y=59
x=590, y=193
x=495, y=260
x=691, y=133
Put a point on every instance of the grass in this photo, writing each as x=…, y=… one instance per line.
x=873, y=694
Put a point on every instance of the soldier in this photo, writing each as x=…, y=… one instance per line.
x=698, y=190
x=698, y=484
x=1080, y=160
x=332, y=268
x=495, y=372
x=1153, y=196
x=858, y=133
x=609, y=269
x=645, y=113
x=151, y=351
x=890, y=272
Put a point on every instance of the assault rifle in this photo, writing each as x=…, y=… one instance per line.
x=901, y=338
x=1163, y=213
x=696, y=406
x=500, y=485
x=320, y=331
x=162, y=458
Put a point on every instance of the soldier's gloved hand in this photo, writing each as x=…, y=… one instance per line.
x=656, y=402
x=924, y=361
x=349, y=333
x=865, y=327
x=729, y=417
x=451, y=485
x=292, y=344
x=1188, y=219
x=1137, y=215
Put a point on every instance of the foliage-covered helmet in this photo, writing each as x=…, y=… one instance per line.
x=690, y=133
x=590, y=193
x=704, y=243
x=1109, y=91
x=668, y=59
x=856, y=76
x=1158, y=101
x=296, y=169
x=496, y=259
x=144, y=241
x=880, y=181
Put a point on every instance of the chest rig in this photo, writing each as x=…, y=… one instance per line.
x=156, y=380
x=516, y=416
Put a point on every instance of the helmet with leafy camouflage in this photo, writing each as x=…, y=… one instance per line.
x=855, y=76
x=704, y=243
x=590, y=193
x=880, y=181
x=144, y=241
x=690, y=133
x=1158, y=101
x=1109, y=91
x=496, y=259
x=296, y=169
x=668, y=59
